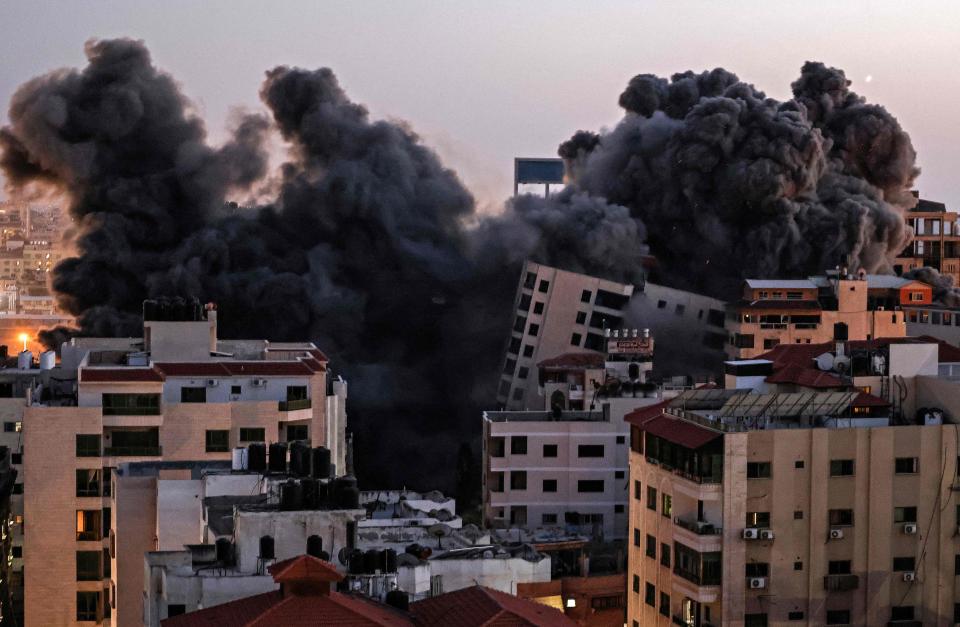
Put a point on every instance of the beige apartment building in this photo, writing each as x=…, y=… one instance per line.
x=936, y=240
x=177, y=394
x=809, y=502
x=810, y=311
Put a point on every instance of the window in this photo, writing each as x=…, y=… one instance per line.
x=509, y=366
x=18, y=488
x=251, y=434
x=518, y=445
x=518, y=394
x=88, y=524
x=901, y=564
x=586, y=296
x=618, y=509
x=296, y=432
x=758, y=470
x=666, y=505
x=841, y=518
x=549, y=450
x=901, y=612
x=88, y=445
x=618, y=474
x=794, y=615
x=838, y=617
x=661, y=304
x=217, y=440
x=607, y=602
x=665, y=554
x=636, y=583
x=904, y=514
x=581, y=317
x=16, y=458
x=758, y=519
x=518, y=515
x=838, y=567
x=514, y=347
x=637, y=494
x=538, y=308
x=236, y=390
x=534, y=329
x=530, y=280
x=88, y=565
x=651, y=498
x=754, y=620
x=610, y=300
x=519, y=324
x=544, y=286
x=575, y=339
x=8, y=427
x=518, y=480
x=590, y=450
x=131, y=404
x=193, y=394
x=636, y=537
x=797, y=515
x=17, y=552
x=523, y=372
x=88, y=606
x=548, y=519
x=798, y=464
x=524, y=303
x=528, y=350
x=758, y=569
x=650, y=597
x=679, y=309
x=665, y=604
x=798, y=566
x=956, y=564
x=651, y=551
x=88, y=482
x=549, y=485
x=594, y=342
x=176, y=609
x=905, y=465
x=590, y=485
x=770, y=342
x=794, y=295
x=841, y=467
x=621, y=439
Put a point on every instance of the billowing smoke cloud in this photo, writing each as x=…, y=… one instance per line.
x=944, y=291
x=730, y=183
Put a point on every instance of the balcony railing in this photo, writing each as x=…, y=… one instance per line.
x=130, y=411
x=300, y=403
x=841, y=583
x=133, y=451
x=697, y=578
x=699, y=527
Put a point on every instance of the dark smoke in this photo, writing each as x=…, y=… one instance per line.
x=944, y=291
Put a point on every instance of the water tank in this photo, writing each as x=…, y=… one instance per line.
x=356, y=563
x=24, y=360
x=389, y=561
x=257, y=456
x=291, y=496
x=224, y=551
x=278, y=457
x=239, y=459
x=48, y=359
x=266, y=548
x=371, y=561
x=315, y=546
x=320, y=463
x=300, y=459
x=346, y=494
x=399, y=600
x=311, y=493
x=840, y=331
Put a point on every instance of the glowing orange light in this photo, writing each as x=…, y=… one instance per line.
x=23, y=338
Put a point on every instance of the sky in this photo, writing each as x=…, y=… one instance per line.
x=484, y=82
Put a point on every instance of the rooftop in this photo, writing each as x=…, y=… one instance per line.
x=479, y=606
x=792, y=284
x=575, y=360
x=547, y=416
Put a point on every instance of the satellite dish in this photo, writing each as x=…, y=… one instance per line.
x=824, y=361
x=841, y=363
x=439, y=531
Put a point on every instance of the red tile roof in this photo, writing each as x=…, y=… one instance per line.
x=868, y=400
x=806, y=376
x=477, y=605
x=574, y=360
x=119, y=375
x=640, y=416
x=303, y=567
x=686, y=434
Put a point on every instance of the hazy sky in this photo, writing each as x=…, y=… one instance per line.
x=483, y=82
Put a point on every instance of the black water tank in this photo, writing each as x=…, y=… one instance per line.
x=371, y=561
x=356, y=562
x=349, y=498
x=311, y=493
x=224, y=551
x=266, y=548
x=291, y=496
x=389, y=561
x=315, y=546
x=840, y=331
x=323, y=494
x=257, y=457
x=398, y=599
x=300, y=459
x=320, y=464
x=278, y=457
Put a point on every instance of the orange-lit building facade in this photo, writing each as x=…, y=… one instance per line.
x=936, y=242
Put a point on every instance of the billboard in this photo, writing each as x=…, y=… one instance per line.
x=630, y=346
x=539, y=171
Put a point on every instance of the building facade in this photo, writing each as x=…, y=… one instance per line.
x=936, y=241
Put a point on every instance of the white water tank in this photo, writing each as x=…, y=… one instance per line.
x=24, y=360
x=48, y=359
x=239, y=459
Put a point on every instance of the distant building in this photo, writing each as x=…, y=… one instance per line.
x=813, y=310
x=817, y=478
x=936, y=242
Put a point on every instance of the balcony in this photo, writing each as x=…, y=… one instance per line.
x=132, y=451
x=699, y=527
x=294, y=405
x=131, y=411
x=841, y=583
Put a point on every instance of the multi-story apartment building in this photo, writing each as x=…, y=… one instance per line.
x=807, y=311
x=759, y=506
x=936, y=242
x=559, y=312
x=179, y=393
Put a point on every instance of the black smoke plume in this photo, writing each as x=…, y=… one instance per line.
x=372, y=249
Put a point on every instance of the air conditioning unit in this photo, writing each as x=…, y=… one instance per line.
x=766, y=534
x=836, y=534
x=910, y=528
x=751, y=534
x=259, y=383
x=758, y=583
x=910, y=576
x=212, y=383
